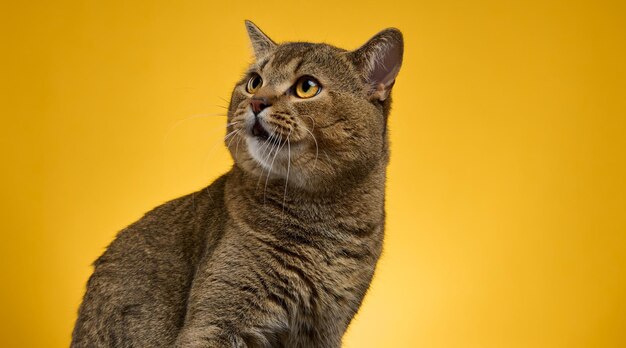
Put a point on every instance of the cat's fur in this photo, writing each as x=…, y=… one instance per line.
x=280, y=251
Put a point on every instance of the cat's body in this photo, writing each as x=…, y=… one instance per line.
x=280, y=251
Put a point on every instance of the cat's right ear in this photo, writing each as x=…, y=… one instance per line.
x=261, y=43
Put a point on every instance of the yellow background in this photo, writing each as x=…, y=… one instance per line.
x=507, y=185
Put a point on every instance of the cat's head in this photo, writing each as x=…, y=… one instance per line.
x=313, y=113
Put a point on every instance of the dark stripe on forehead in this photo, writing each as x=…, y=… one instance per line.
x=287, y=53
x=263, y=63
x=298, y=66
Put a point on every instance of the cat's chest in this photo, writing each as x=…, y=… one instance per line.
x=315, y=276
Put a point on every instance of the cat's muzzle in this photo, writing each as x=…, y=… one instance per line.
x=259, y=131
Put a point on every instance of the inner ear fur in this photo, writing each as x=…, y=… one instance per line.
x=379, y=61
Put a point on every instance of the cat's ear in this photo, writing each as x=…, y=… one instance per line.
x=261, y=43
x=379, y=60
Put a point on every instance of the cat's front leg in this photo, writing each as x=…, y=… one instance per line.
x=233, y=302
x=223, y=336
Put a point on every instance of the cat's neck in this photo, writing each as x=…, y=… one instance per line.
x=355, y=202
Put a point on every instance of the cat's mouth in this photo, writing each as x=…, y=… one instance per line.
x=259, y=131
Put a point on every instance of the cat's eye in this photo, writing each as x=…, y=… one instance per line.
x=254, y=84
x=307, y=87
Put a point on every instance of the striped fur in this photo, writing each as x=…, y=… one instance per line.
x=280, y=251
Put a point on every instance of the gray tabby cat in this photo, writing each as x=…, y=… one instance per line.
x=280, y=251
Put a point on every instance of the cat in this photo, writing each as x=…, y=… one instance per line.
x=279, y=251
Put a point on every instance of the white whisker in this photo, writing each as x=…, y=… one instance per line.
x=272, y=142
x=268, y=145
x=312, y=120
x=211, y=150
x=192, y=117
x=233, y=137
x=316, y=148
x=275, y=148
x=230, y=134
x=288, y=168
x=237, y=149
x=272, y=165
x=226, y=101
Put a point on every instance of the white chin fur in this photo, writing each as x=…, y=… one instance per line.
x=270, y=156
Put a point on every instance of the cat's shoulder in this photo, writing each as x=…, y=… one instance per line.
x=171, y=226
x=181, y=208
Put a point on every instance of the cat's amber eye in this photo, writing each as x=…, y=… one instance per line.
x=254, y=84
x=307, y=87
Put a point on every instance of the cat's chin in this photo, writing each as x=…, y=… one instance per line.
x=276, y=158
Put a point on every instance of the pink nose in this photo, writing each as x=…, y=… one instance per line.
x=258, y=104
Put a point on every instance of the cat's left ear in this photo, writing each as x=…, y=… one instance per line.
x=379, y=60
x=261, y=43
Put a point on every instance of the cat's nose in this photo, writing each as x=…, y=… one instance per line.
x=258, y=104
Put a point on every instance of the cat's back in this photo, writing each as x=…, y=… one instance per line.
x=137, y=294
